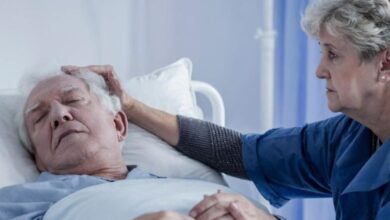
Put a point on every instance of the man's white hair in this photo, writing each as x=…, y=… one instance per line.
x=94, y=82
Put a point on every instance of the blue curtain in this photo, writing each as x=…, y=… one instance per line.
x=299, y=96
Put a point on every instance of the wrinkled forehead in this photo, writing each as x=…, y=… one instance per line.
x=55, y=86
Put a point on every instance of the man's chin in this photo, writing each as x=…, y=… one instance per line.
x=72, y=141
x=72, y=162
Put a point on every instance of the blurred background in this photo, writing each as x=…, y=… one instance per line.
x=225, y=39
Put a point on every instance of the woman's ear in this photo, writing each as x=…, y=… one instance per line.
x=384, y=72
x=121, y=125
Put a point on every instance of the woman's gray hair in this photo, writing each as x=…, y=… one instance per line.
x=94, y=83
x=365, y=23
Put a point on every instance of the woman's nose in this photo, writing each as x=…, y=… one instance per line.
x=322, y=72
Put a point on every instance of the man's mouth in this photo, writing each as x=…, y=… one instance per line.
x=66, y=134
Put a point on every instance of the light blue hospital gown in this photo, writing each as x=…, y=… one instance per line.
x=32, y=200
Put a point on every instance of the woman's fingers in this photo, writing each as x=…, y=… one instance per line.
x=103, y=70
x=69, y=69
x=221, y=205
x=235, y=211
x=217, y=211
x=213, y=206
x=106, y=71
x=226, y=217
x=164, y=215
x=202, y=206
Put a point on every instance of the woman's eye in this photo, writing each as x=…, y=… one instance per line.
x=331, y=55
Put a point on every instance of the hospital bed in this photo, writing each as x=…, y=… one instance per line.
x=169, y=88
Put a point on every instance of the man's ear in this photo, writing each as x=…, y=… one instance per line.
x=121, y=125
x=384, y=72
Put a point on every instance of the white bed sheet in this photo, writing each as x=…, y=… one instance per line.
x=130, y=198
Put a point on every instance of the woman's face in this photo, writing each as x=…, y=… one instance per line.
x=351, y=84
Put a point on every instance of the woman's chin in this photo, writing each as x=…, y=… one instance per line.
x=333, y=107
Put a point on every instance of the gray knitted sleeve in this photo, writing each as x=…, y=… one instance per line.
x=213, y=145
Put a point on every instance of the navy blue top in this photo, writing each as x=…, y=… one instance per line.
x=330, y=158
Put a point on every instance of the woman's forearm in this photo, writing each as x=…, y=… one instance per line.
x=213, y=145
x=160, y=123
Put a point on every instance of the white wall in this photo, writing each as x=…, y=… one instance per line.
x=138, y=36
x=217, y=35
x=45, y=33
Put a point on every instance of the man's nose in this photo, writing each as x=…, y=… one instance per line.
x=59, y=114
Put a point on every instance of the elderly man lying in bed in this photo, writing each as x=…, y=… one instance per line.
x=75, y=130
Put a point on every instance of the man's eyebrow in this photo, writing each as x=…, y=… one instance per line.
x=32, y=108
x=69, y=89
x=65, y=90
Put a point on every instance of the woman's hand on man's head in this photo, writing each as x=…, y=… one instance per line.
x=110, y=77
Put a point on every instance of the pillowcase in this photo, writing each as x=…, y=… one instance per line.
x=167, y=89
x=16, y=164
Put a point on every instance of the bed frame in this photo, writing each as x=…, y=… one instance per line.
x=215, y=99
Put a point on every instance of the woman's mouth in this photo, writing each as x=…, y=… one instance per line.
x=329, y=90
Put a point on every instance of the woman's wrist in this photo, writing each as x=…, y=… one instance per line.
x=128, y=106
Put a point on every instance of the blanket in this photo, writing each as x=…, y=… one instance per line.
x=128, y=199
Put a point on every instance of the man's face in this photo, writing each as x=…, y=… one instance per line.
x=70, y=130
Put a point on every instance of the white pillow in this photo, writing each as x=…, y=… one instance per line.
x=16, y=164
x=167, y=89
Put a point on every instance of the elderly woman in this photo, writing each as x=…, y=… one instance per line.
x=346, y=157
